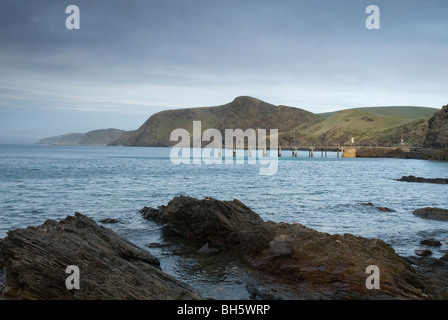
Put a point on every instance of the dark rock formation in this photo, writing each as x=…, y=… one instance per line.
x=383, y=209
x=431, y=242
x=423, y=180
x=330, y=263
x=221, y=223
x=433, y=272
x=432, y=213
x=437, y=135
x=423, y=252
x=33, y=262
x=262, y=293
x=109, y=220
x=205, y=249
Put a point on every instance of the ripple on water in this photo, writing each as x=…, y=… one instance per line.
x=41, y=182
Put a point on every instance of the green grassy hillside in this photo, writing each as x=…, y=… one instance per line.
x=241, y=113
x=368, y=126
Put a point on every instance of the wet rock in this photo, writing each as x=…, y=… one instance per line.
x=383, y=209
x=368, y=204
x=34, y=261
x=221, y=223
x=109, y=220
x=262, y=293
x=151, y=213
x=431, y=242
x=331, y=263
x=423, y=252
x=423, y=180
x=205, y=249
x=432, y=213
x=433, y=272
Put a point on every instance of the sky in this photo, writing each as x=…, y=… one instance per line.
x=132, y=58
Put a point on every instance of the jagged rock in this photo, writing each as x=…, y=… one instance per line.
x=423, y=253
x=221, y=223
x=433, y=272
x=423, y=180
x=205, y=249
x=335, y=264
x=437, y=135
x=432, y=213
x=261, y=293
x=33, y=262
x=151, y=213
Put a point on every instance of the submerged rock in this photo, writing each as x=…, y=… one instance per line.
x=432, y=213
x=431, y=242
x=423, y=252
x=423, y=180
x=262, y=293
x=205, y=249
x=109, y=220
x=383, y=209
x=335, y=264
x=34, y=260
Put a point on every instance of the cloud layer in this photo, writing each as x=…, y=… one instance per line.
x=133, y=58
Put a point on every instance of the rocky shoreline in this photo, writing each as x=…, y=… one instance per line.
x=299, y=262
x=34, y=260
x=403, y=153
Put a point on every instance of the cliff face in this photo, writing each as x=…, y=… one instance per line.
x=437, y=136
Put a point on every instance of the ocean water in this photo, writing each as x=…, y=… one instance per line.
x=324, y=193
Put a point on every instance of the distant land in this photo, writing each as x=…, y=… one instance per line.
x=369, y=126
x=99, y=137
x=382, y=126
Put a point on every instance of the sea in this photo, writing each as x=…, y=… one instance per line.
x=324, y=192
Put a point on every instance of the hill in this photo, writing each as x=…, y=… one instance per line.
x=95, y=137
x=65, y=139
x=383, y=126
x=369, y=126
x=243, y=113
x=101, y=137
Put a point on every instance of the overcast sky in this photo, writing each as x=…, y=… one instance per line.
x=130, y=59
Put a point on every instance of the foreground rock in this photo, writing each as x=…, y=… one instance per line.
x=33, y=264
x=432, y=213
x=335, y=264
x=433, y=272
x=423, y=180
